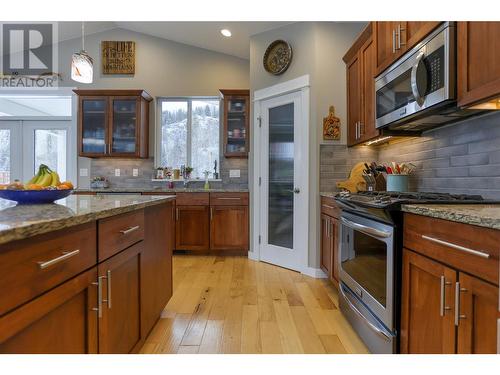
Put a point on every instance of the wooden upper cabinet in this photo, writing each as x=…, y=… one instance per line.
x=477, y=327
x=360, y=65
x=61, y=321
x=113, y=123
x=478, y=66
x=394, y=38
x=428, y=300
x=236, y=117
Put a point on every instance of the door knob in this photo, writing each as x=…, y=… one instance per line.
x=296, y=190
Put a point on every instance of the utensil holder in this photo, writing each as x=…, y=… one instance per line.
x=397, y=182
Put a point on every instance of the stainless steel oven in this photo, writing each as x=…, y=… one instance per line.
x=420, y=84
x=367, y=290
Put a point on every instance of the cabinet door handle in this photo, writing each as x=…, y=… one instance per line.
x=458, y=316
x=393, y=41
x=211, y=213
x=457, y=247
x=442, y=306
x=65, y=255
x=130, y=230
x=400, y=29
x=176, y=214
x=108, y=279
x=99, y=297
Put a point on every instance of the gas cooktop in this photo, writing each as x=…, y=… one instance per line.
x=385, y=199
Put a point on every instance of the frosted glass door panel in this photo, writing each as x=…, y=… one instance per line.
x=281, y=176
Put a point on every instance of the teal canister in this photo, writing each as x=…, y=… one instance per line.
x=397, y=182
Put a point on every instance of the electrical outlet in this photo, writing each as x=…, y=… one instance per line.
x=117, y=172
x=135, y=172
x=84, y=172
x=234, y=173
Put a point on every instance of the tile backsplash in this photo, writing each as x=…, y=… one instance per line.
x=106, y=168
x=462, y=158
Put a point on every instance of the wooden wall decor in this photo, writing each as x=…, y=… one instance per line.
x=118, y=57
x=331, y=126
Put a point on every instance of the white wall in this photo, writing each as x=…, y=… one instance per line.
x=318, y=48
x=163, y=68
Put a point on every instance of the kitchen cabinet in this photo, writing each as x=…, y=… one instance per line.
x=393, y=38
x=360, y=66
x=478, y=70
x=329, y=251
x=62, y=321
x=113, y=123
x=119, y=302
x=156, y=263
x=192, y=228
x=450, y=287
x=236, y=119
x=229, y=228
x=427, y=324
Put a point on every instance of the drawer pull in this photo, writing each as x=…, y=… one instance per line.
x=229, y=198
x=130, y=230
x=328, y=206
x=65, y=255
x=457, y=247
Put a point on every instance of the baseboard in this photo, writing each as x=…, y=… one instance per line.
x=317, y=273
x=253, y=255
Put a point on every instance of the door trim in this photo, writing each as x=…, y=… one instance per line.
x=300, y=85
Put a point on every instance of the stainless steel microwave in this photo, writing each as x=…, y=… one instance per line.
x=418, y=91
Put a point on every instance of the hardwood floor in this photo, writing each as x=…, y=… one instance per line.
x=230, y=304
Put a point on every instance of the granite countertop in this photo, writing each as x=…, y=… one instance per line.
x=484, y=215
x=23, y=221
x=163, y=190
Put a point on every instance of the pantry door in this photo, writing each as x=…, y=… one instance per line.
x=283, y=187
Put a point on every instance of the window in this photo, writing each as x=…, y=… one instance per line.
x=189, y=133
x=37, y=130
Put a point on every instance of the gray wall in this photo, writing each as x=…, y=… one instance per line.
x=163, y=68
x=318, y=48
x=462, y=158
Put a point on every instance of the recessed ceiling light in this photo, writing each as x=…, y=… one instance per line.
x=226, y=33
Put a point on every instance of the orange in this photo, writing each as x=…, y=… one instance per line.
x=34, y=187
x=68, y=184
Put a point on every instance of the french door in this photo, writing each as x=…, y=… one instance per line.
x=283, y=188
x=25, y=144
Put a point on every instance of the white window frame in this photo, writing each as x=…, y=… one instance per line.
x=22, y=142
x=189, y=100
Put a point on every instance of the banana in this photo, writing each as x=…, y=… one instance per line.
x=34, y=178
x=46, y=179
x=55, y=179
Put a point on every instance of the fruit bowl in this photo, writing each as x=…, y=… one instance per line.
x=34, y=196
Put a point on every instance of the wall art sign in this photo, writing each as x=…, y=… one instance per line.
x=118, y=57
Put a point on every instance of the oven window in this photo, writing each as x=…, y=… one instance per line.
x=396, y=94
x=366, y=262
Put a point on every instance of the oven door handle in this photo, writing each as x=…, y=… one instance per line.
x=373, y=327
x=365, y=229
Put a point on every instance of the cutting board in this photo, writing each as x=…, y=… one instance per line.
x=355, y=182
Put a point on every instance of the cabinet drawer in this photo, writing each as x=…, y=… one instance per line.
x=31, y=267
x=329, y=207
x=229, y=199
x=468, y=248
x=116, y=233
x=192, y=199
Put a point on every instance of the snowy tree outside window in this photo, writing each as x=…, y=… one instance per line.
x=189, y=134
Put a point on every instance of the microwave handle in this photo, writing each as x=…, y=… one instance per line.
x=365, y=229
x=413, y=80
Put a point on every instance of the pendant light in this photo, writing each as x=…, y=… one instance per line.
x=82, y=65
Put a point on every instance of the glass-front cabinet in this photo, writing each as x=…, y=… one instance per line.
x=236, y=122
x=113, y=123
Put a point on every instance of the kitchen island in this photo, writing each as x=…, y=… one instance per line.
x=90, y=274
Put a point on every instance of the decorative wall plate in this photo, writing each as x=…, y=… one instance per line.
x=278, y=57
